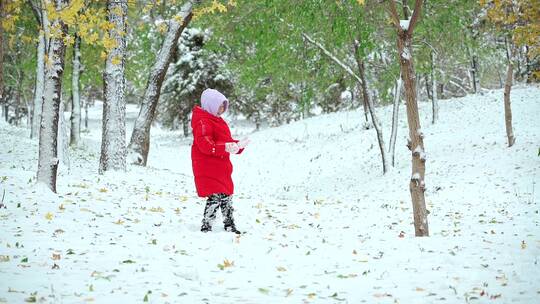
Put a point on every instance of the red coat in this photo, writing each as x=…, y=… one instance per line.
x=212, y=167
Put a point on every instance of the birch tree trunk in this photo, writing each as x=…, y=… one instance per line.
x=139, y=144
x=63, y=137
x=38, y=90
x=395, y=119
x=507, y=104
x=416, y=142
x=434, y=99
x=113, y=139
x=362, y=81
x=75, y=119
x=48, y=133
x=43, y=20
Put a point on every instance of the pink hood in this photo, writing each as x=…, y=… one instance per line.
x=212, y=99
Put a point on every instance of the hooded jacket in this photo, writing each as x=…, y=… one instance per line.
x=212, y=168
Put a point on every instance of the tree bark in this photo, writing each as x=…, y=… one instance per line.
x=113, y=140
x=75, y=119
x=362, y=81
x=365, y=96
x=43, y=20
x=139, y=144
x=38, y=90
x=416, y=142
x=48, y=134
x=395, y=119
x=86, y=114
x=507, y=104
x=474, y=72
x=63, y=137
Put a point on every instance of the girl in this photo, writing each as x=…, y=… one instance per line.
x=212, y=169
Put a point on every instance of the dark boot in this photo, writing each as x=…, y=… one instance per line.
x=227, y=211
x=212, y=204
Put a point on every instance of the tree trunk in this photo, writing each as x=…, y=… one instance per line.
x=86, y=114
x=395, y=120
x=507, y=104
x=362, y=81
x=75, y=120
x=139, y=144
x=365, y=96
x=38, y=91
x=185, y=127
x=18, y=94
x=475, y=73
x=374, y=119
x=416, y=142
x=113, y=140
x=434, y=99
x=427, y=84
x=63, y=137
x=43, y=20
x=48, y=133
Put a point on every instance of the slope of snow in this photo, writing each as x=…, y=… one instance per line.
x=323, y=224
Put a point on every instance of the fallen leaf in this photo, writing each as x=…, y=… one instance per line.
x=49, y=216
x=281, y=269
x=56, y=256
x=128, y=262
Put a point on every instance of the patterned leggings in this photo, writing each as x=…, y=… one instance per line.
x=214, y=202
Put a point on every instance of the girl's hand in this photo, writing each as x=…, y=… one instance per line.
x=232, y=147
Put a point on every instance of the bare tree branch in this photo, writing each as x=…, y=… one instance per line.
x=331, y=56
x=394, y=14
x=416, y=15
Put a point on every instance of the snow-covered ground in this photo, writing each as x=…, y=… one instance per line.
x=323, y=224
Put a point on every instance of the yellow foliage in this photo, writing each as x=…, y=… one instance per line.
x=361, y=2
x=106, y=25
x=520, y=18
x=27, y=39
x=109, y=43
x=178, y=18
x=116, y=60
x=215, y=6
x=162, y=27
x=69, y=14
x=49, y=216
x=69, y=40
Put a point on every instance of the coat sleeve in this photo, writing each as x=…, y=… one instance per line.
x=204, y=140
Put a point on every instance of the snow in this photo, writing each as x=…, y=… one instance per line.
x=406, y=54
x=404, y=24
x=323, y=224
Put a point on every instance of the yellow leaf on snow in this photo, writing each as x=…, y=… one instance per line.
x=49, y=216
